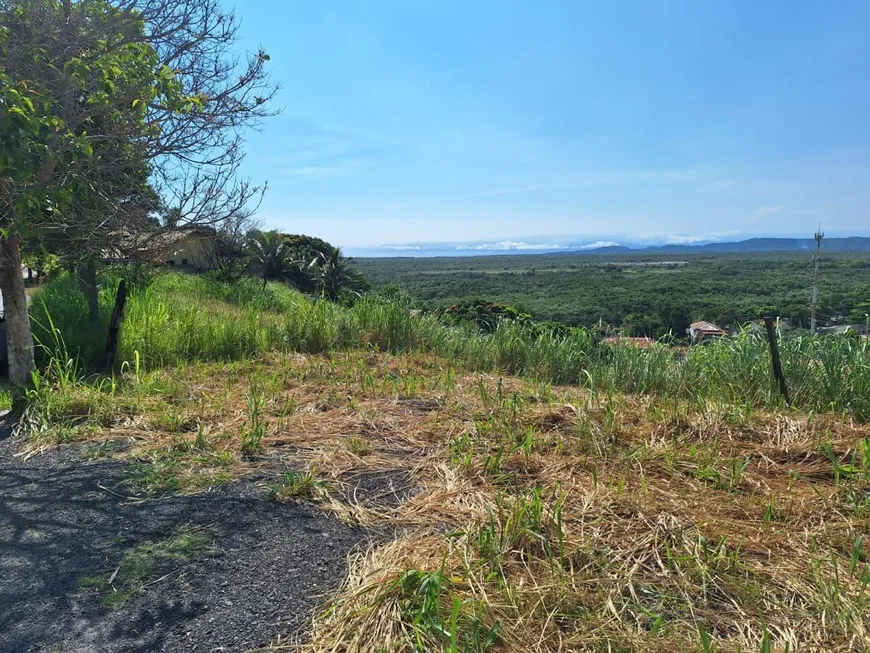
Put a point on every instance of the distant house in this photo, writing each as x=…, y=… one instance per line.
x=188, y=248
x=701, y=331
x=185, y=248
x=843, y=329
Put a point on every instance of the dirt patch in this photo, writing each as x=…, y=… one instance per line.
x=64, y=519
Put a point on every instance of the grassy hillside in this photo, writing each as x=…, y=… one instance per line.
x=180, y=319
x=543, y=495
x=654, y=291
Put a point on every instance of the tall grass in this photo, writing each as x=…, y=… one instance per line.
x=59, y=318
x=179, y=319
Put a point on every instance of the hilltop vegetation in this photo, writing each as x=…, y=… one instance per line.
x=646, y=294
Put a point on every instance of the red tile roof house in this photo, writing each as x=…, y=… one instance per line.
x=700, y=331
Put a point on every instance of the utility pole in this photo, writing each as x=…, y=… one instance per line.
x=816, y=256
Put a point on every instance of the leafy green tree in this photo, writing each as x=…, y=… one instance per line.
x=304, y=249
x=112, y=112
x=486, y=315
x=674, y=317
x=798, y=314
x=62, y=108
x=860, y=314
x=228, y=255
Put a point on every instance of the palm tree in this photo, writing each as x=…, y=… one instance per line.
x=269, y=254
x=334, y=275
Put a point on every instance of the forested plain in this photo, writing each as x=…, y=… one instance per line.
x=643, y=294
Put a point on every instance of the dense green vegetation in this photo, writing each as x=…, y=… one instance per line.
x=178, y=319
x=648, y=294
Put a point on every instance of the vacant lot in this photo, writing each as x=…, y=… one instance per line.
x=518, y=516
x=269, y=472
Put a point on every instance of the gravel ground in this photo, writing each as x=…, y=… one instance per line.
x=61, y=518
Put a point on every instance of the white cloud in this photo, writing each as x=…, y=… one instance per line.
x=685, y=240
x=509, y=245
x=514, y=245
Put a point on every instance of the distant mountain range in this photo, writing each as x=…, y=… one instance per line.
x=851, y=244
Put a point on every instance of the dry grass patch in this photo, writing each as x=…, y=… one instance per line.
x=542, y=518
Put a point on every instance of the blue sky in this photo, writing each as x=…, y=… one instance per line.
x=407, y=121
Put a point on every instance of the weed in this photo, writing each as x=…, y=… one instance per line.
x=254, y=429
x=358, y=446
x=423, y=598
x=296, y=485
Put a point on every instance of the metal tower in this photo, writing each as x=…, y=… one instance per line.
x=816, y=257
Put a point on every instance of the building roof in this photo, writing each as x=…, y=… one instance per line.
x=171, y=236
x=706, y=327
x=147, y=244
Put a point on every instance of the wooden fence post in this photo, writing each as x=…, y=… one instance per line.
x=115, y=325
x=777, y=363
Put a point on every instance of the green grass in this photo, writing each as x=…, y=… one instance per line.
x=147, y=563
x=296, y=485
x=5, y=397
x=181, y=319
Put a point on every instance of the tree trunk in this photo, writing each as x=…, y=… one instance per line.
x=87, y=274
x=19, y=340
x=115, y=326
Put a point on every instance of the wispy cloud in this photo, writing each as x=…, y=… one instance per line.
x=581, y=180
x=315, y=171
x=337, y=169
x=762, y=211
x=688, y=239
x=316, y=150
